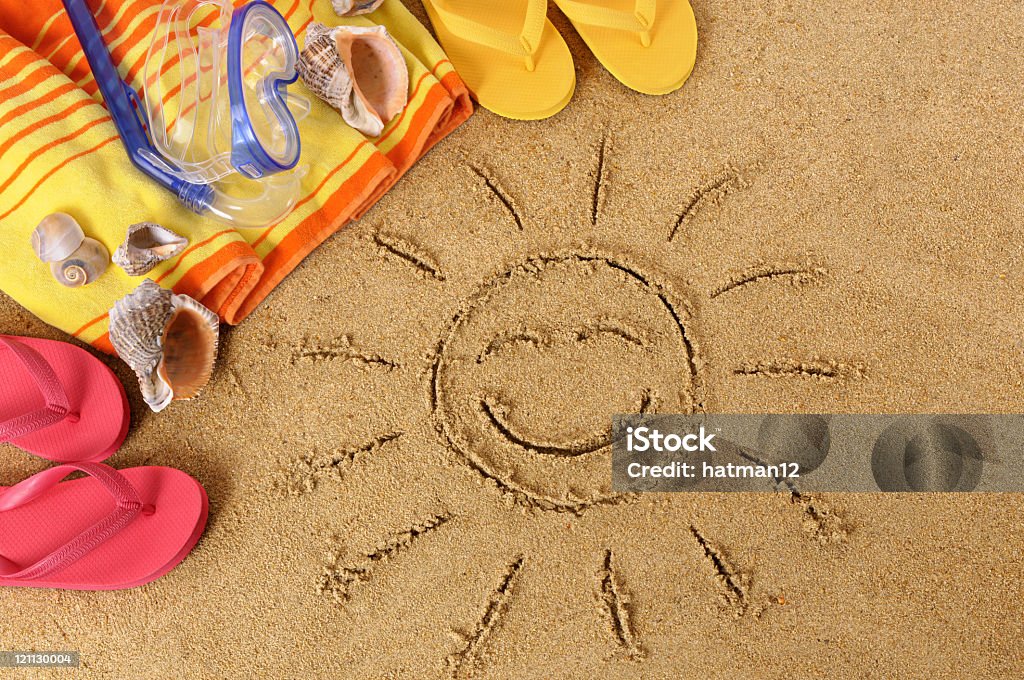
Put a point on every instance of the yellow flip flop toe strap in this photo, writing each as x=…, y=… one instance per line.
x=525, y=44
x=640, y=21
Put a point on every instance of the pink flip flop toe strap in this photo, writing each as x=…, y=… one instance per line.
x=57, y=406
x=127, y=504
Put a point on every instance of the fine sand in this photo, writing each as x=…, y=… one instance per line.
x=838, y=185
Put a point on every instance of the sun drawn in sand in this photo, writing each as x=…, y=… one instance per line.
x=520, y=348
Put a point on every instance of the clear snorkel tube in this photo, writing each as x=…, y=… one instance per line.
x=217, y=129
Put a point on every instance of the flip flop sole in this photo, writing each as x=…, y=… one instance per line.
x=146, y=549
x=93, y=392
x=662, y=67
x=501, y=83
x=187, y=548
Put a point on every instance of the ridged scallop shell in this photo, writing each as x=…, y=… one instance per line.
x=169, y=340
x=147, y=245
x=360, y=71
x=350, y=8
x=56, y=237
x=83, y=266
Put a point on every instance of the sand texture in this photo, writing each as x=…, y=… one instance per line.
x=402, y=445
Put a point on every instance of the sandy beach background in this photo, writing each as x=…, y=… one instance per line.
x=835, y=201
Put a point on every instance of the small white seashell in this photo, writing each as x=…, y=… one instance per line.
x=169, y=340
x=350, y=8
x=360, y=71
x=146, y=246
x=57, y=236
x=83, y=266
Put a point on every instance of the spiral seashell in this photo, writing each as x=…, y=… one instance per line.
x=360, y=71
x=147, y=245
x=169, y=341
x=350, y=8
x=56, y=237
x=83, y=266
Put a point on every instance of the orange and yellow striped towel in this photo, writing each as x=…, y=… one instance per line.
x=59, y=151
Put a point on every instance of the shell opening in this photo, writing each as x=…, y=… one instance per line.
x=371, y=60
x=189, y=352
x=160, y=244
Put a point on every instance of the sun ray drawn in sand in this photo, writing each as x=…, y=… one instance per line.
x=528, y=327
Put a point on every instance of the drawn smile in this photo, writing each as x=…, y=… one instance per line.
x=496, y=414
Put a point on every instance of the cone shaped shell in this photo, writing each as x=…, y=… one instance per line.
x=350, y=8
x=147, y=245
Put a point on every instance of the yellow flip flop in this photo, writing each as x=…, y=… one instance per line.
x=649, y=45
x=511, y=57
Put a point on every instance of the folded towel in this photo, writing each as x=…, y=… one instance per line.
x=59, y=151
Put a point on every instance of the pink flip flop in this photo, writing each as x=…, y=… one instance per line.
x=109, y=531
x=59, y=402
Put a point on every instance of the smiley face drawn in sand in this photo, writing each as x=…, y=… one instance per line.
x=530, y=368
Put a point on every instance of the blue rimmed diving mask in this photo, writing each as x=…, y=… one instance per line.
x=216, y=124
x=262, y=61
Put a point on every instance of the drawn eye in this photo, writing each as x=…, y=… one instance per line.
x=614, y=328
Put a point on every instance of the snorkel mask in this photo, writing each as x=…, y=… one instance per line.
x=218, y=127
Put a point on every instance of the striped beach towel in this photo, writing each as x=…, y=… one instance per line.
x=59, y=151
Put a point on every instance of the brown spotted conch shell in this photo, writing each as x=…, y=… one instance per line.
x=146, y=246
x=169, y=340
x=350, y=8
x=359, y=71
x=56, y=237
x=83, y=266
